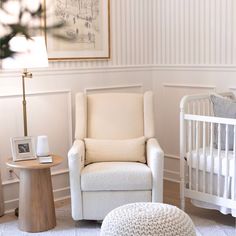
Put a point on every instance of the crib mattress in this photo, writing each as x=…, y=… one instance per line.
x=208, y=160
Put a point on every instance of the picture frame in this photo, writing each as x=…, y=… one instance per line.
x=87, y=22
x=23, y=148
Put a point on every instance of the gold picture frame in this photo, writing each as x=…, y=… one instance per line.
x=87, y=22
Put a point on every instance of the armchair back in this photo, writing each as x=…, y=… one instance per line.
x=114, y=115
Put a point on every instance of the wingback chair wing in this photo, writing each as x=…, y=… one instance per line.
x=115, y=158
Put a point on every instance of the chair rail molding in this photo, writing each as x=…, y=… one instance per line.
x=61, y=71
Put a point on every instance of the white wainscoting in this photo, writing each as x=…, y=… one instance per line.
x=170, y=87
x=48, y=113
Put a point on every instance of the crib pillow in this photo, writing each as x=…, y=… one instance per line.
x=226, y=108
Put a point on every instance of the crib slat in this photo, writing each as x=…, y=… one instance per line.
x=208, y=124
x=205, y=113
x=194, y=135
x=204, y=155
x=203, y=107
x=194, y=126
x=219, y=161
x=197, y=152
x=234, y=173
x=227, y=159
x=188, y=108
x=209, y=107
x=194, y=108
x=190, y=152
x=212, y=159
x=199, y=107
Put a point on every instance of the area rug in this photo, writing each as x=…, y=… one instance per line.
x=66, y=226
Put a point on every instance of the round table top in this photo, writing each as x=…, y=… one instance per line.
x=34, y=164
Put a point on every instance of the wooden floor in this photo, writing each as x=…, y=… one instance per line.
x=171, y=196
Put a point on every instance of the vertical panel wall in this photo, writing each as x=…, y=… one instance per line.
x=169, y=32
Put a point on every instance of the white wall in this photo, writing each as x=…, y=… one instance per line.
x=174, y=47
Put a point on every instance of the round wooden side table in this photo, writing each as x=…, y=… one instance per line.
x=36, y=203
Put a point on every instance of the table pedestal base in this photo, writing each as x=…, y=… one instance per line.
x=36, y=207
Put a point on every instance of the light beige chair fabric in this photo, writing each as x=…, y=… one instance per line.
x=98, y=150
x=114, y=120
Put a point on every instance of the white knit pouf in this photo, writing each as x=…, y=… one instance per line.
x=147, y=219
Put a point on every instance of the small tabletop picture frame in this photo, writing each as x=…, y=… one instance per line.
x=23, y=148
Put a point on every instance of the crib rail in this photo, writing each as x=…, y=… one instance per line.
x=207, y=160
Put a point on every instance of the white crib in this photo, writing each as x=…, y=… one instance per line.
x=207, y=174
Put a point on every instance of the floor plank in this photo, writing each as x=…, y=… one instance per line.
x=171, y=196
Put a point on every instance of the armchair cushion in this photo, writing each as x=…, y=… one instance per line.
x=115, y=115
x=105, y=176
x=100, y=150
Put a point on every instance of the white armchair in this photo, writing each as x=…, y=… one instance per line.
x=112, y=129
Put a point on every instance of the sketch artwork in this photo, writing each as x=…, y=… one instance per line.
x=86, y=22
x=82, y=21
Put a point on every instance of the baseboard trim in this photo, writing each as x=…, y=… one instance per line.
x=172, y=180
x=59, y=195
x=172, y=156
x=173, y=176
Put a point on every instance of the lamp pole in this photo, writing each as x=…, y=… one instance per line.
x=25, y=74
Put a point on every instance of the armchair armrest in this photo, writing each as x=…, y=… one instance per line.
x=155, y=161
x=76, y=163
x=77, y=153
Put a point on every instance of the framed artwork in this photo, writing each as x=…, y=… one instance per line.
x=86, y=23
x=23, y=148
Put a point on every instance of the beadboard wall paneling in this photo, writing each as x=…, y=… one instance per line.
x=161, y=33
x=194, y=32
x=164, y=33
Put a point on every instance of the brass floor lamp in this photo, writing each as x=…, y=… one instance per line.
x=25, y=75
x=30, y=54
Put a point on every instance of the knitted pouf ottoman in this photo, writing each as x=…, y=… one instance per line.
x=147, y=219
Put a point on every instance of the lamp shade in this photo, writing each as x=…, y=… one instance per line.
x=30, y=53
